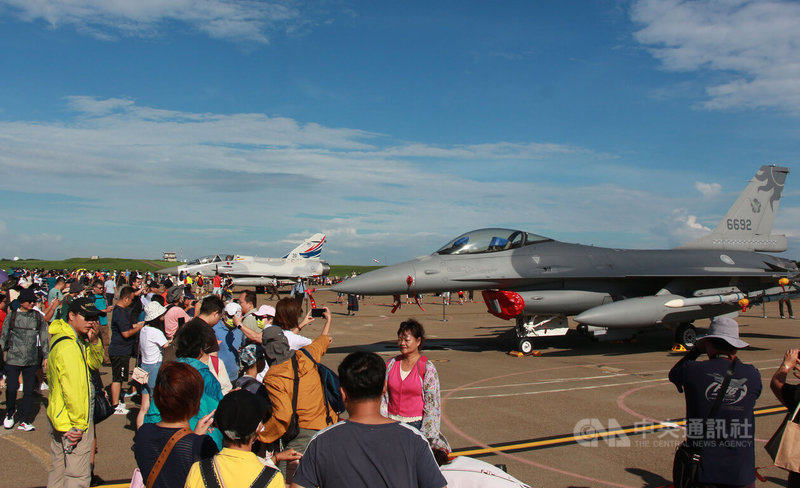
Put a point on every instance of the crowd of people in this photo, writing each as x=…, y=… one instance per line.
x=231, y=393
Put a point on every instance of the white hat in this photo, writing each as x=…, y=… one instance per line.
x=153, y=310
x=727, y=329
x=233, y=308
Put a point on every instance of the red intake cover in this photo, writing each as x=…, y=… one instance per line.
x=503, y=304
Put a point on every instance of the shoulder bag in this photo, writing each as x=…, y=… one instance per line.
x=102, y=408
x=687, y=456
x=784, y=446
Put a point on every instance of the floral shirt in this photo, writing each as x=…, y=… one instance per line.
x=432, y=412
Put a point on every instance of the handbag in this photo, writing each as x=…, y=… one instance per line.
x=138, y=482
x=784, y=446
x=687, y=457
x=140, y=375
x=294, y=429
x=102, y=407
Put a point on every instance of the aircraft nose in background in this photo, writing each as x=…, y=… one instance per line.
x=168, y=271
x=385, y=281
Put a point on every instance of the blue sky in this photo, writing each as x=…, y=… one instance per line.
x=132, y=128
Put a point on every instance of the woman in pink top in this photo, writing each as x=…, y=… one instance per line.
x=412, y=386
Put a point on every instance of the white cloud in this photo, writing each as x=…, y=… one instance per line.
x=753, y=44
x=681, y=228
x=708, y=190
x=241, y=20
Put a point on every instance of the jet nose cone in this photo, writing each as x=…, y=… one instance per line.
x=168, y=271
x=385, y=281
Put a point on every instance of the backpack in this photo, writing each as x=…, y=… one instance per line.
x=330, y=388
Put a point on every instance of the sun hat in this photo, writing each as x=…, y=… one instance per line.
x=153, y=310
x=727, y=329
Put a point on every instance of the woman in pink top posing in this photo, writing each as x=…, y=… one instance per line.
x=412, y=386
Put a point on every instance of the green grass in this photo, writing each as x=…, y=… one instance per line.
x=139, y=264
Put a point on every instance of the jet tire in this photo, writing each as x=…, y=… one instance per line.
x=525, y=346
x=686, y=334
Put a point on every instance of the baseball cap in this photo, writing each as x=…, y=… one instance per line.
x=174, y=293
x=265, y=311
x=27, y=295
x=76, y=286
x=232, y=309
x=85, y=307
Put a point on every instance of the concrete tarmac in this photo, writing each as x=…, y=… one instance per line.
x=542, y=416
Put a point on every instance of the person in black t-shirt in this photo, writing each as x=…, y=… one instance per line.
x=177, y=394
x=789, y=395
x=728, y=456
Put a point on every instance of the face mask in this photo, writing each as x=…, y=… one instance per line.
x=260, y=323
x=229, y=322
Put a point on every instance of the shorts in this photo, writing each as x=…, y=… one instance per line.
x=120, y=368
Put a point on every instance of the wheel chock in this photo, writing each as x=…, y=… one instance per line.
x=678, y=347
x=518, y=354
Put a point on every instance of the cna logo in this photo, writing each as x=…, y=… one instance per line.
x=737, y=389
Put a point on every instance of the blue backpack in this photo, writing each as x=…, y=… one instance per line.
x=330, y=389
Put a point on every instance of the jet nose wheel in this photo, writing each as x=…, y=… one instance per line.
x=686, y=334
x=525, y=346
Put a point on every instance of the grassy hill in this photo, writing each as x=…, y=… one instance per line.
x=139, y=264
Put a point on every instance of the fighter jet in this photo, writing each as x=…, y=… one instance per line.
x=301, y=262
x=613, y=293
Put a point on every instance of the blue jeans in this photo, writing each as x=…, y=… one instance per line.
x=151, y=380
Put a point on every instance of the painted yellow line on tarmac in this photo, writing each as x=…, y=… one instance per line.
x=588, y=437
x=40, y=454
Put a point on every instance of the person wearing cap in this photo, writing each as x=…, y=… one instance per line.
x=279, y=381
x=23, y=336
x=239, y=416
x=231, y=339
x=728, y=453
x=176, y=315
x=76, y=350
x=100, y=302
x=152, y=342
x=75, y=290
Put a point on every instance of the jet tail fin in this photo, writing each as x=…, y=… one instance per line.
x=310, y=248
x=748, y=224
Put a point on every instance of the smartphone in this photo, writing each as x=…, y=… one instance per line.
x=317, y=312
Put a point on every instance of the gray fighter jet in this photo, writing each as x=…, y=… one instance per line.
x=301, y=262
x=613, y=293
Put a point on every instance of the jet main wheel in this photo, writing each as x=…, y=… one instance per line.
x=686, y=334
x=525, y=346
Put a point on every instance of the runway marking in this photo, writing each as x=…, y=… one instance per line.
x=593, y=387
x=534, y=444
x=40, y=454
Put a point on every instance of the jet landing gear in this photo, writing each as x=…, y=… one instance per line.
x=532, y=326
x=686, y=335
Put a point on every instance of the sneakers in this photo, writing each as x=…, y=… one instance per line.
x=26, y=426
x=43, y=387
x=121, y=409
x=8, y=422
x=129, y=394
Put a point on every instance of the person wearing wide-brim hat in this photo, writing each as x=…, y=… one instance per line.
x=728, y=447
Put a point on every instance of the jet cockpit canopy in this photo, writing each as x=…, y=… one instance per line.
x=214, y=258
x=490, y=240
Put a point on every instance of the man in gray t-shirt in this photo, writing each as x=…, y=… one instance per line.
x=368, y=449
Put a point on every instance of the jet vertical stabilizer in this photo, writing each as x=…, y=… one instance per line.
x=309, y=249
x=748, y=224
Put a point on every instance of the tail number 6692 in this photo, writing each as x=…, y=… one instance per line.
x=739, y=224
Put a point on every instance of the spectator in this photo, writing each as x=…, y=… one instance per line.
x=367, y=449
x=352, y=304
x=176, y=316
x=210, y=312
x=247, y=299
x=728, y=454
x=252, y=360
x=788, y=395
x=56, y=295
x=230, y=339
x=265, y=315
x=214, y=364
x=287, y=316
x=110, y=288
x=217, y=290
x=191, y=343
x=74, y=291
x=123, y=336
x=100, y=302
x=177, y=394
x=238, y=416
x=152, y=342
x=412, y=386
x=299, y=291
x=25, y=341
x=76, y=349
x=279, y=381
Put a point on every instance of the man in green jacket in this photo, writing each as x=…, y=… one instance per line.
x=75, y=347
